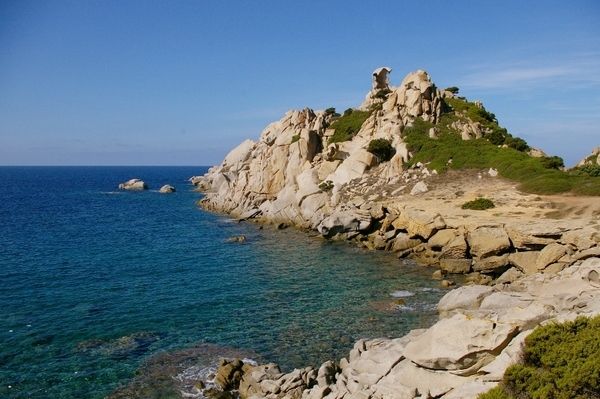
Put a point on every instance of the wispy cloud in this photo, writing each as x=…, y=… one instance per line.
x=582, y=70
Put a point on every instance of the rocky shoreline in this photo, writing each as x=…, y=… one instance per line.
x=530, y=260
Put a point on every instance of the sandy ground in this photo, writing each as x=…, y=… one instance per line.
x=449, y=191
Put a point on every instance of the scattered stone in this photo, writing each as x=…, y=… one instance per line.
x=419, y=188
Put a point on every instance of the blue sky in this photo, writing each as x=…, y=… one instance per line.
x=182, y=82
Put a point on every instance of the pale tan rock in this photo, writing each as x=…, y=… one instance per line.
x=458, y=342
x=455, y=249
x=442, y=238
x=491, y=264
x=419, y=223
x=487, y=241
x=468, y=297
x=550, y=254
x=525, y=261
x=455, y=266
x=403, y=242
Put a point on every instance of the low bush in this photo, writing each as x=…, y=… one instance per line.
x=553, y=162
x=560, y=361
x=331, y=111
x=479, y=204
x=326, y=185
x=348, y=125
x=382, y=149
x=348, y=111
x=295, y=138
x=382, y=94
x=452, y=89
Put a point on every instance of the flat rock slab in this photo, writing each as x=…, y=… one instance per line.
x=458, y=342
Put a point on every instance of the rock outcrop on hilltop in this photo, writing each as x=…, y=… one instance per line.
x=293, y=173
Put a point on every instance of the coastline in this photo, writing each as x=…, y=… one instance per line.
x=529, y=260
x=480, y=331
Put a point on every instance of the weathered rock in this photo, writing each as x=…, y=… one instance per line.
x=550, y=254
x=459, y=343
x=403, y=242
x=468, y=297
x=487, y=241
x=345, y=221
x=442, y=238
x=166, y=189
x=525, y=261
x=510, y=276
x=456, y=266
x=492, y=264
x=455, y=249
x=419, y=188
x=133, y=185
x=419, y=223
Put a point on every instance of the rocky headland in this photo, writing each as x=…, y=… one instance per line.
x=397, y=173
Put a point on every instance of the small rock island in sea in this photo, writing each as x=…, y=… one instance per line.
x=133, y=185
x=431, y=176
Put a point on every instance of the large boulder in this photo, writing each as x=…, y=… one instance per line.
x=486, y=241
x=344, y=222
x=459, y=343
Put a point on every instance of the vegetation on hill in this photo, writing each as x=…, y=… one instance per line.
x=348, y=125
x=560, y=361
x=497, y=149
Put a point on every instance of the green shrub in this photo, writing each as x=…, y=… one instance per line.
x=560, y=361
x=479, y=204
x=553, y=162
x=517, y=143
x=348, y=125
x=382, y=94
x=331, y=111
x=326, y=185
x=348, y=111
x=495, y=393
x=452, y=89
x=382, y=149
x=497, y=137
x=295, y=138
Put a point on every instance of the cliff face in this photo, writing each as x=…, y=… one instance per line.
x=294, y=174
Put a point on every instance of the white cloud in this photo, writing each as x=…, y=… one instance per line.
x=581, y=70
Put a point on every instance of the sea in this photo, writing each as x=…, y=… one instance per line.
x=106, y=293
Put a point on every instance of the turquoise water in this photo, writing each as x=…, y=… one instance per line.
x=94, y=282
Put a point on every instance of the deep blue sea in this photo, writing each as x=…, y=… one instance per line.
x=95, y=282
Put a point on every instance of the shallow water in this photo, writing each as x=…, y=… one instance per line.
x=94, y=281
